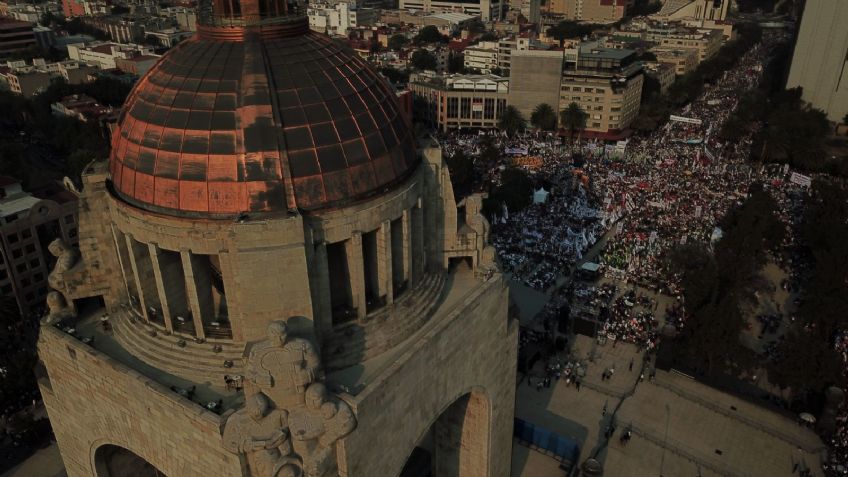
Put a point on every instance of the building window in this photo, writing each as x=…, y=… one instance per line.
x=3, y=274
x=12, y=238
x=26, y=234
x=25, y=282
x=38, y=277
x=7, y=289
x=72, y=232
x=489, y=108
x=465, y=108
x=21, y=267
x=596, y=125
x=30, y=248
x=16, y=253
x=453, y=107
x=33, y=263
x=69, y=219
x=30, y=297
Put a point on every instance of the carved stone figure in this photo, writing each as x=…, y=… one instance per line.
x=57, y=308
x=66, y=258
x=261, y=432
x=283, y=366
x=317, y=426
x=291, y=426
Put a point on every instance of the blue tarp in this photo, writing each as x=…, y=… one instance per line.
x=563, y=448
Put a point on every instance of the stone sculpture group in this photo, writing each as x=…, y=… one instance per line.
x=290, y=423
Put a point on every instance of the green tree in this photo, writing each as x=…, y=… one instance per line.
x=397, y=42
x=515, y=191
x=423, y=60
x=456, y=63
x=395, y=75
x=511, y=121
x=544, y=117
x=574, y=119
x=429, y=34
x=569, y=29
x=489, y=36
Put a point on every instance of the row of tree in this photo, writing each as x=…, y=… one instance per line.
x=720, y=284
x=807, y=361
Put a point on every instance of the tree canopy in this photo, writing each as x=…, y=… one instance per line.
x=569, y=29
x=573, y=118
x=429, y=34
x=423, y=60
x=544, y=117
x=511, y=121
x=397, y=41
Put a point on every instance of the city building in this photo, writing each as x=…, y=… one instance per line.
x=487, y=10
x=167, y=37
x=606, y=84
x=120, y=29
x=137, y=65
x=81, y=107
x=530, y=9
x=73, y=8
x=508, y=45
x=338, y=18
x=28, y=223
x=26, y=81
x=820, y=60
x=186, y=18
x=664, y=73
x=270, y=251
x=676, y=35
x=711, y=10
x=29, y=80
x=482, y=57
x=534, y=79
x=460, y=101
x=683, y=60
x=447, y=23
x=591, y=11
x=15, y=36
x=105, y=54
x=45, y=37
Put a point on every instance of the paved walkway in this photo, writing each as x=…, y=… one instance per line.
x=680, y=427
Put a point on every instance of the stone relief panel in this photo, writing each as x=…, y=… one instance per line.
x=290, y=423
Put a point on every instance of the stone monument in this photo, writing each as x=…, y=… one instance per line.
x=290, y=426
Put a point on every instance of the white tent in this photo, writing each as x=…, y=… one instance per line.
x=540, y=196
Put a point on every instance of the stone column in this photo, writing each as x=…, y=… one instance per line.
x=356, y=269
x=384, y=261
x=124, y=261
x=323, y=303
x=198, y=291
x=417, y=240
x=142, y=273
x=156, y=260
x=407, y=247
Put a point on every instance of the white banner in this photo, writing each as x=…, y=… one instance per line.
x=682, y=119
x=800, y=179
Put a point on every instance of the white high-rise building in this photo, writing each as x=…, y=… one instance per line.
x=820, y=61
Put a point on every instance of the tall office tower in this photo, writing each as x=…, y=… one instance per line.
x=820, y=61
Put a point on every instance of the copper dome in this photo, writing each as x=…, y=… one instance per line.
x=241, y=119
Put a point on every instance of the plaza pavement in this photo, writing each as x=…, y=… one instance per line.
x=680, y=427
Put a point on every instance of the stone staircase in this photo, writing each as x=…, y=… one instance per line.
x=194, y=362
x=358, y=341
